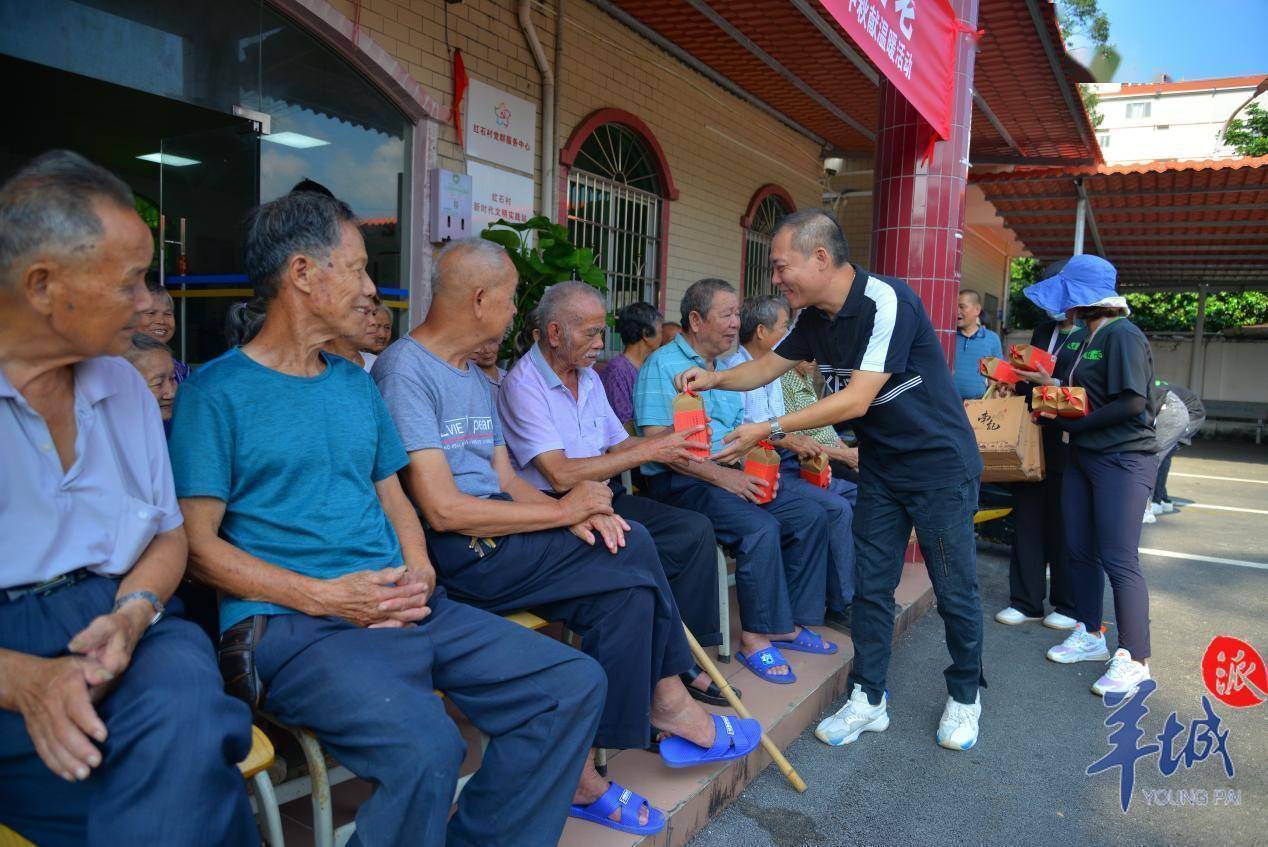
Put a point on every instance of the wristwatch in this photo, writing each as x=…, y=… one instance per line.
x=776, y=431
x=149, y=597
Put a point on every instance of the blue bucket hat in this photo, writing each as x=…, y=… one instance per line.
x=1082, y=281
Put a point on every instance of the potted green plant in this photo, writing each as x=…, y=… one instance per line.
x=543, y=255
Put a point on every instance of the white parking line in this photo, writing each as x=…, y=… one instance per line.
x=1171, y=554
x=1226, y=508
x=1220, y=478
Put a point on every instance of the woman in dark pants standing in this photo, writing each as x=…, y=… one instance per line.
x=1038, y=532
x=1111, y=471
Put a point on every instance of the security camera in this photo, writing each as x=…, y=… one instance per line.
x=832, y=165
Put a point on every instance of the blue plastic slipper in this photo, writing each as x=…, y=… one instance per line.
x=808, y=641
x=629, y=803
x=764, y=661
x=736, y=738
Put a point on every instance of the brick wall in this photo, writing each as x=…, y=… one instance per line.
x=720, y=149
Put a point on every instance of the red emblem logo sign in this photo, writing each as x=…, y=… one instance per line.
x=1234, y=672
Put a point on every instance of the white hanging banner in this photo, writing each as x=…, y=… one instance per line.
x=501, y=128
x=496, y=193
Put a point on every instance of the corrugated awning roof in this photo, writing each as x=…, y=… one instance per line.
x=1164, y=225
x=1027, y=108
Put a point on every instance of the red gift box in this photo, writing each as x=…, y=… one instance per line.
x=1059, y=400
x=762, y=461
x=997, y=370
x=689, y=412
x=1030, y=358
x=816, y=470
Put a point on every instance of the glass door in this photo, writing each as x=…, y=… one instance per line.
x=209, y=182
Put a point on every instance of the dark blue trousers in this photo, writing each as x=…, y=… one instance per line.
x=168, y=773
x=781, y=550
x=688, y=552
x=837, y=502
x=367, y=694
x=1103, y=497
x=619, y=604
x=943, y=518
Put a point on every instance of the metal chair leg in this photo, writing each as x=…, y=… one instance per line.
x=266, y=801
x=724, y=608
x=323, y=819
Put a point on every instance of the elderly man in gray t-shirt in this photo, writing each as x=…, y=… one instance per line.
x=500, y=544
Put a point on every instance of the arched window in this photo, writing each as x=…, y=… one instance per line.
x=769, y=204
x=617, y=186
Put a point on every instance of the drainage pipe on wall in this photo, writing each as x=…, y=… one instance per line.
x=547, y=206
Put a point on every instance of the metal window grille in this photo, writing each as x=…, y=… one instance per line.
x=757, y=269
x=613, y=209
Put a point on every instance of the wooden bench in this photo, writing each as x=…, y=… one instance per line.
x=1238, y=411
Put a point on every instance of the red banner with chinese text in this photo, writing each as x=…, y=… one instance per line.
x=912, y=42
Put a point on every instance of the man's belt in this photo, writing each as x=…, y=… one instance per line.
x=43, y=589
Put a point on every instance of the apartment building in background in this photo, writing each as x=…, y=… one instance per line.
x=1168, y=120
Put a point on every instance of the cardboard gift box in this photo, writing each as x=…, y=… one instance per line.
x=1009, y=441
x=689, y=412
x=1030, y=358
x=1059, y=400
x=997, y=370
x=817, y=470
x=762, y=461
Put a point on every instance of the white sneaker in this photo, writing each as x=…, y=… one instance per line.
x=853, y=719
x=1164, y=507
x=1080, y=646
x=1012, y=617
x=1149, y=516
x=958, y=728
x=1124, y=674
x=1056, y=620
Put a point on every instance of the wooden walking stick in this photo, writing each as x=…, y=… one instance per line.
x=703, y=660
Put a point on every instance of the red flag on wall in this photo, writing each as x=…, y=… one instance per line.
x=459, y=91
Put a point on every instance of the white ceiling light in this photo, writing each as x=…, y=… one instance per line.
x=294, y=139
x=169, y=159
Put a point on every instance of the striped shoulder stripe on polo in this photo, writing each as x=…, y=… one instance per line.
x=896, y=390
x=882, y=295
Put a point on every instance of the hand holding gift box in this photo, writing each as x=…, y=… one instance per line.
x=763, y=462
x=688, y=413
x=997, y=370
x=816, y=470
x=1062, y=401
x=1027, y=357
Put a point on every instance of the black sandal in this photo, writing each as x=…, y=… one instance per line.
x=712, y=695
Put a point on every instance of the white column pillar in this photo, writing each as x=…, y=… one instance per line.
x=1197, y=362
x=1080, y=224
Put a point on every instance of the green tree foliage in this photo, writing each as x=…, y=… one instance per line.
x=1084, y=19
x=1248, y=135
x=1164, y=311
x=543, y=255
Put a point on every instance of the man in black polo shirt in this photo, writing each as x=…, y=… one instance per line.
x=919, y=463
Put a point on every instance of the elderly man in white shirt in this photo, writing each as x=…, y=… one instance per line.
x=114, y=725
x=763, y=322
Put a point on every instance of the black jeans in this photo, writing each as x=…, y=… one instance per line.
x=943, y=518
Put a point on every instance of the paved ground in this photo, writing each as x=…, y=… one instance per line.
x=1024, y=782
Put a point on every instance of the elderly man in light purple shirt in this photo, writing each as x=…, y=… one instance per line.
x=98, y=686
x=561, y=430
